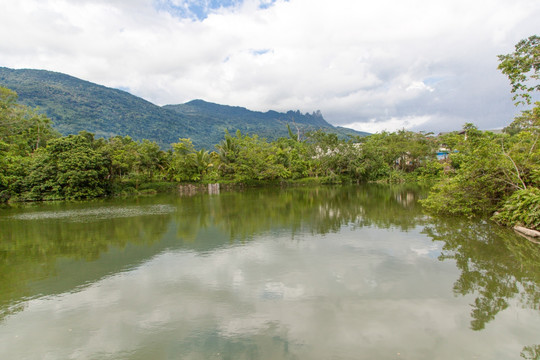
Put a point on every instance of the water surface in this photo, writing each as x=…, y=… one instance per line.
x=304, y=273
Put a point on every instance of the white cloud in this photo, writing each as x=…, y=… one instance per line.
x=418, y=86
x=352, y=60
x=391, y=124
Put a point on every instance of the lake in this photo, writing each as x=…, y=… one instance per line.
x=352, y=272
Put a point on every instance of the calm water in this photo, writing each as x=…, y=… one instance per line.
x=324, y=273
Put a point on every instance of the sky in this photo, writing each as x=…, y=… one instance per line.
x=420, y=65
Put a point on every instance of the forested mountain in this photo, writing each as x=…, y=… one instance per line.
x=74, y=105
x=270, y=124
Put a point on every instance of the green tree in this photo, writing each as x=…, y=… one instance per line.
x=22, y=132
x=227, y=151
x=152, y=159
x=257, y=160
x=386, y=155
x=123, y=156
x=68, y=168
x=188, y=164
x=245, y=158
x=294, y=156
x=481, y=179
x=523, y=68
x=338, y=160
x=21, y=127
x=499, y=171
x=528, y=120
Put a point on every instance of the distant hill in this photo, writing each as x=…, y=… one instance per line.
x=269, y=125
x=74, y=105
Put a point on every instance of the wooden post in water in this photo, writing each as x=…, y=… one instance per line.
x=213, y=188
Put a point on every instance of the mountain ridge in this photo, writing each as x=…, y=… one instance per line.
x=75, y=104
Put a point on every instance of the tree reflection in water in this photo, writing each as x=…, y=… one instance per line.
x=496, y=265
x=317, y=210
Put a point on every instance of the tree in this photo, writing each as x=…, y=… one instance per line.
x=528, y=120
x=481, y=179
x=227, y=151
x=293, y=154
x=388, y=155
x=152, y=159
x=502, y=172
x=68, y=168
x=21, y=127
x=257, y=160
x=188, y=164
x=523, y=68
x=123, y=156
x=22, y=132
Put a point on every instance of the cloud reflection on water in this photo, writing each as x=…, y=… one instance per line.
x=317, y=296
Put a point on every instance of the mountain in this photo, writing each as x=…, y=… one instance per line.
x=75, y=105
x=270, y=125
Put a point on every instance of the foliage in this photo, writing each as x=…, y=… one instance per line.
x=188, y=164
x=430, y=172
x=22, y=129
x=37, y=164
x=531, y=352
x=523, y=68
x=249, y=158
x=488, y=171
x=69, y=168
x=22, y=132
x=80, y=166
x=481, y=179
x=529, y=120
x=522, y=208
x=389, y=155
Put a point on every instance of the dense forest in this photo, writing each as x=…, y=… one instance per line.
x=482, y=172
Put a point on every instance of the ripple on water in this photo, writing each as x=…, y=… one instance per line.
x=101, y=213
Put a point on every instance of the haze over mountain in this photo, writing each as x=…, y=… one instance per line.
x=75, y=105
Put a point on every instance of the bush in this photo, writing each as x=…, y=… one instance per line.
x=522, y=208
x=158, y=186
x=449, y=197
x=430, y=172
x=147, y=192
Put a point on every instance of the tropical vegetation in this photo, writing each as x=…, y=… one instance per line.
x=40, y=164
x=498, y=173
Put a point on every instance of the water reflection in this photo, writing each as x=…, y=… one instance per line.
x=34, y=238
x=496, y=266
x=333, y=272
x=318, y=211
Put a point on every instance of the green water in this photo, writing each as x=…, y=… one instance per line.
x=303, y=273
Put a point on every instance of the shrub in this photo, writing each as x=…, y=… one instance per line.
x=522, y=208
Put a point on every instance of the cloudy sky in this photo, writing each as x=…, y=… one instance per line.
x=371, y=65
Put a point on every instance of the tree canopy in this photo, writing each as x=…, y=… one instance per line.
x=523, y=69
